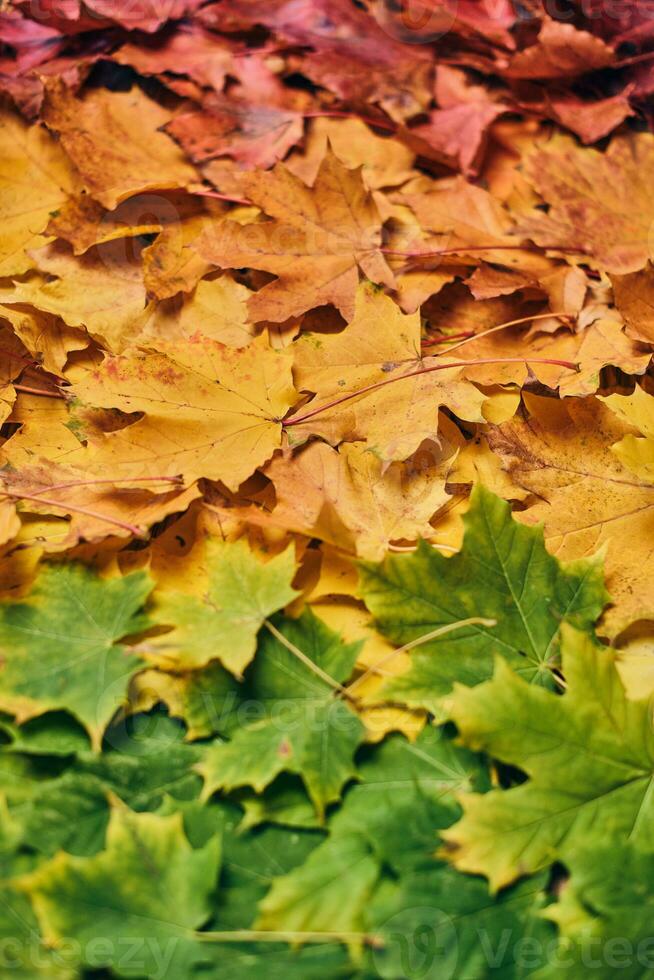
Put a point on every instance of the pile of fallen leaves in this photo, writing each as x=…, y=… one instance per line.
x=326, y=489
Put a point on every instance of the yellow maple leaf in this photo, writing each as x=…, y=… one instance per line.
x=350, y=499
x=636, y=453
x=380, y=344
x=215, y=309
x=115, y=142
x=100, y=290
x=35, y=180
x=586, y=498
x=601, y=203
x=315, y=243
x=209, y=411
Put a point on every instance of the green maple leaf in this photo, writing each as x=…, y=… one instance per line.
x=302, y=727
x=284, y=802
x=405, y=791
x=251, y=859
x=145, y=758
x=223, y=625
x=503, y=573
x=277, y=961
x=148, y=888
x=53, y=733
x=68, y=813
x=325, y=894
x=24, y=956
x=436, y=922
x=59, y=646
x=589, y=755
x=376, y=875
x=605, y=913
x=63, y=804
x=203, y=699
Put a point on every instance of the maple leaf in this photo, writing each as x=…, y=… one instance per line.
x=35, y=180
x=207, y=57
x=302, y=728
x=216, y=415
x=317, y=239
x=349, y=52
x=327, y=892
x=117, y=883
x=457, y=132
x=504, y=575
x=600, y=204
x=84, y=223
x=189, y=440
x=115, y=142
x=634, y=298
x=586, y=502
x=223, y=624
x=349, y=499
x=466, y=214
x=83, y=669
x=454, y=909
x=588, y=755
x=387, y=821
x=33, y=42
x=608, y=896
x=200, y=698
x=47, y=338
x=379, y=344
x=101, y=290
x=253, y=135
x=143, y=763
x=386, y=161
x=95, y=509
x=636, y=453
x=216, y=309
x=600, y=344
x=333, y=887
x=560, y=51
x=590, y=120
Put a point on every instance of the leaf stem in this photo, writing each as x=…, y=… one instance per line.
x=123, y=479
x=201, y=192
x=443, y=339
x=470, y=335
x=302, y=657
x=440, y=631
x=38, y=391
x=268, y=936
x=503, y=326
x=71, y=509
x=410, y=548
x=462, y=249
x=297, y=419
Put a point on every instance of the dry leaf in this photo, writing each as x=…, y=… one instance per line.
x=314, y=244
x=114, y=140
